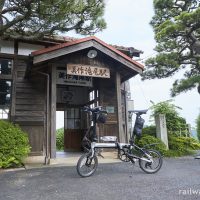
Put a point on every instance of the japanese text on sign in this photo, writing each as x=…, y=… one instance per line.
x=86, y=70
x=64, y=79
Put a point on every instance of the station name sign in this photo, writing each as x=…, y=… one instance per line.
x=64, y=79
x=87, y=70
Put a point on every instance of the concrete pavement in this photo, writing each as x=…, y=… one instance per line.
x=67, y=159
x=178, y=179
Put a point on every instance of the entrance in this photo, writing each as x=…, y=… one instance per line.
x=74, y=129
x=70, y=100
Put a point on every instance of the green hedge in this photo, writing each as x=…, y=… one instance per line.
x=149, y=130
x=178, y=146
x=148, y=139
x=60, y=139
x=14, y=145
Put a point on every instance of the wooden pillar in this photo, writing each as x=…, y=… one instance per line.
x=53, y=113
x=119, y=106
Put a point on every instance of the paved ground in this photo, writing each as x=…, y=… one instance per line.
x=177, y=179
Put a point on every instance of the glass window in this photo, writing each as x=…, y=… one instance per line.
x=70, y=123
x=5, y=66
x=70, y=113
x=72, y=118
x=5, y=92
x=5, y=98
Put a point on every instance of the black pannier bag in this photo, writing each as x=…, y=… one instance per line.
x=139, y=123
x=102, y=117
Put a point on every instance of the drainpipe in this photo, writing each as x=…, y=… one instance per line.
x=47, y=156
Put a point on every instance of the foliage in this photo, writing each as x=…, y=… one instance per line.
x=60, y=139
x=174, y=122
x=14, y=145
x=32, y=19
x=198, y=127
x=149, y=130
x=180, y=146
x=176, y=26
x=148, y=139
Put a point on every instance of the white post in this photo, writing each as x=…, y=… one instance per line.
x=161, y=129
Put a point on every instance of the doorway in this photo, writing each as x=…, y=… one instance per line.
x=60, y=134
x=74, y=129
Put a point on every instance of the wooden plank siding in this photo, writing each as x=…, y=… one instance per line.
x=28, y=105
x=106, y=87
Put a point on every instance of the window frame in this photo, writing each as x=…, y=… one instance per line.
x=75, y=116
x=7, y=77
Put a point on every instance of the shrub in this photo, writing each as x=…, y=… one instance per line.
x=183, y=145
x=149, y=130
x=14, y=145
x=178, y=146
x=148, y=139
x=60, y=139
x=175, y=123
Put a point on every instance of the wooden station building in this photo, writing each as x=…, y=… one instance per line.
x=41, y=77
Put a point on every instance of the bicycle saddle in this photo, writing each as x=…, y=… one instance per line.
x=139, y=111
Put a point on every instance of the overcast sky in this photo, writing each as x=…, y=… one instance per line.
x=128, y=25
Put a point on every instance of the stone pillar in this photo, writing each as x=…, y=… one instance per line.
x=161, y=129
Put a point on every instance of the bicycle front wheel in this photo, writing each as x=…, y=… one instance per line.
x=86, y=166
x=155, y=165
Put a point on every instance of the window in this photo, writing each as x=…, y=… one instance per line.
x=5, y=66
x=5, y=87
x=94, y=98
x=72, y=118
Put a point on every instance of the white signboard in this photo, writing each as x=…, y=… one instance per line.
x=64, y=79
x=87, y=70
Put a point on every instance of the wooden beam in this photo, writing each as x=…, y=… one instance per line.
x=61, y=52
x=53, y=113
x=81, y=46
x=119, y=106
x=14, y=80
x=116, y=57
x=12, y=56
x=5, y=77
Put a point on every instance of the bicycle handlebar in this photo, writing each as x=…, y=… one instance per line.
x=93, y=110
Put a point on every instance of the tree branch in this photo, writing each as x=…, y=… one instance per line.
x=10, y=9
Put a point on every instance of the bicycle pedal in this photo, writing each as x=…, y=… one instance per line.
x=101, y=155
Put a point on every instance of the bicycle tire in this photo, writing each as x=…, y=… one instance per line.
x=90, y=165
x=148, y=167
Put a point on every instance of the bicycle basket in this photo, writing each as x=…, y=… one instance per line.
x=102, y=117
x=139, y=123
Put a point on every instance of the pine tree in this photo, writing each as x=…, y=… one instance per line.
x=176, y=25
x=31, y=19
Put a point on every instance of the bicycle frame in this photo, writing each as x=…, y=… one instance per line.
x=119, y=146
x=88, y=162
x=114, y=145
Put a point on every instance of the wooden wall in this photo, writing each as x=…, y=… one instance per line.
x=29, y=99
x=106, y=87
x=28, y=104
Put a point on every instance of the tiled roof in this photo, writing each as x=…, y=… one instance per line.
x=62, y=39
x=74, y=42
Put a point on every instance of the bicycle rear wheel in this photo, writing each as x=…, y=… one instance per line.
x=86, y=166
x=155, y=165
